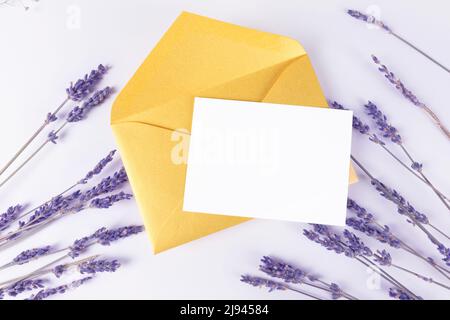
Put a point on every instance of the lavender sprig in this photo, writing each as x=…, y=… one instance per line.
x=367, y=224
x=405, y=208
x=75, y=115
x=48, y=292
x=75, y=92
x=94, y=266
x=392, y=133
x=398, y=84
x=374, y=21
x=388, y=131
x=290, y=274
x=272, y=285
x=399, y=294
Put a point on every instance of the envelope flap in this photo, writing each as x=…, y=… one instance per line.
x=198, y=53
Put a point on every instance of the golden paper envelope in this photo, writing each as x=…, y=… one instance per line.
x=152, y=115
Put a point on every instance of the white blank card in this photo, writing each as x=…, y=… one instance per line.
x=269, y=161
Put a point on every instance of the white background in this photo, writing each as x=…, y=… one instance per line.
x=46, y=47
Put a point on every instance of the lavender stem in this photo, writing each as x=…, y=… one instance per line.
x=304, y=293
x=27, y=143
x=420, y=276
x=420, y=51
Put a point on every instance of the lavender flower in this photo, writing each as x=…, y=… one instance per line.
x=52, y=137
x=108, y=236
x=261, y=282
x=98, y=168
x=390, y=76
x=108, y=201
x=104, y=237
x=78, y=113
x=387, y=130
x=279, y=269
x=403, y=206
x=290, y=274
x=82, y=87
x=31, y=254
x=367, y=225
x=399, y=294
x=51, y=117
x=107, y=185
x=369, y=19
x=45, y=293
x=383, y=258
x=59, y=270
x=357, y=123
x=21, y=286
x=9, y=216
x=94, y=266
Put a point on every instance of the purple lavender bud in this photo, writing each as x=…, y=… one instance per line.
x=357, y=123
x=261, y=282
x=52, y=137
x=45, y=293
x=9, y=216
x=279, y=269
x=98, y=168
x=59, y=270
x=83, y=87
x=336, y=291
x=106, y=202
x=443, y=250
x=78, y=113
x=390, y=76
x=107, y=185
x=387, y=130
x=31, y=254
x=399, y=294
x=95, y=266
x=51, y=117
x=107, y=236
x=369, y=19
x=416, y=166
x=383, y=258
x=22, y=286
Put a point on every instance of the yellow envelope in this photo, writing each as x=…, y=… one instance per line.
x=152, y=115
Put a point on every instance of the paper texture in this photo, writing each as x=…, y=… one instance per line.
x=270, y=161
x=152, y=115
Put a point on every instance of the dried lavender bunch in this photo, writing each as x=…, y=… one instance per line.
x=405, y=208
x=75, y=115
x=91, y=174
x=75, y=92
x=374, y=21
x=366, y=223
x=290, y=274
x=391, y=133
x=272, y=285
x=391, y=77
x=72, y=204
x=48, y=292
x=351, y=246
x=388, y=131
